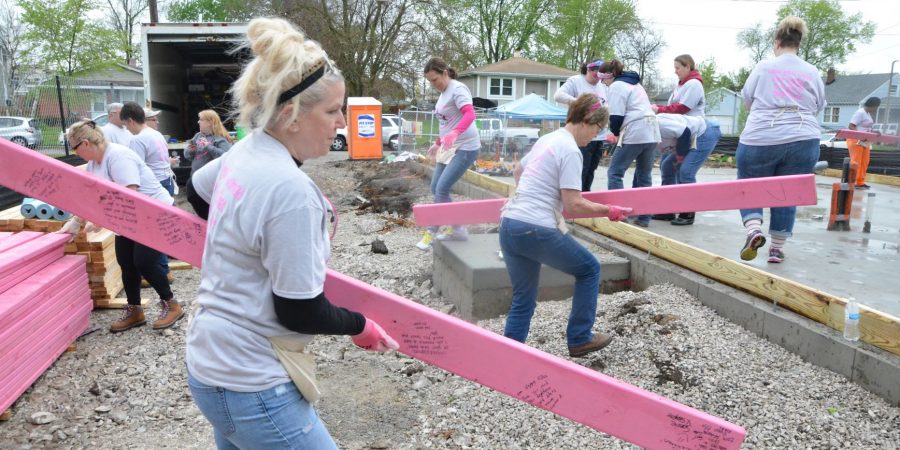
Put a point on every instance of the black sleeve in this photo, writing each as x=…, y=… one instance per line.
x=317, y=316
x=200, y=205
x=683, y=143
x=615, y=124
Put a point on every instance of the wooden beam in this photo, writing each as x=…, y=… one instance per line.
x=541, y=379
x=769, y=192
x=870, y=177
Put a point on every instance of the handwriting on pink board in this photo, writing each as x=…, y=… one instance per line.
x=119, y=210
x=174, y=231
x=43, y=182
x=422, y=340
x=540, y=393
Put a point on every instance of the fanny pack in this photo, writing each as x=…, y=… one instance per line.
x=299, y=365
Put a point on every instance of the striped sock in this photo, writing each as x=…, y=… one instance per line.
x=753, y=226
x=777, y=242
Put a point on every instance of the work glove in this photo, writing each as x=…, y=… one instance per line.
x=72, y=226
x=374, y=338
x=449, y=139
x=617, y=213
x=432, y=151
x=612, y=139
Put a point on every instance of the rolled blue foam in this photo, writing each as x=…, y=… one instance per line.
x=59, y=214
x=28, y=208
x=43, y=211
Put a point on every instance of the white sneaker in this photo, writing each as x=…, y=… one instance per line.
x=453, y=234
x=425, y=243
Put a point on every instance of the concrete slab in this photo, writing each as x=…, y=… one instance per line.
x=471, y=275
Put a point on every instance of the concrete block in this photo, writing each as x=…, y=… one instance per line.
x=812, y=341
x=878, y=371
x=736, y=306
x=475, y=279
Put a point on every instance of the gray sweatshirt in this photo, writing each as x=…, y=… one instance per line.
x=206, y=149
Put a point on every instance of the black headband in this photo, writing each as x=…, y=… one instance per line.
x=302, y=86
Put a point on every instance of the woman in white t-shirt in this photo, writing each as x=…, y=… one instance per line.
x=261, y=297
x=456, y=147
x=781, y=137
x=122, y=166
x=587, y=83
x=859, y=149
x=533, y=232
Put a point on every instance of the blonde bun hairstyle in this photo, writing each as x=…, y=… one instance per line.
x=790, y=31
x=283, y=57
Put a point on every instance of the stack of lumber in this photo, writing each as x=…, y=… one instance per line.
x=104, y=272
x=45, y=305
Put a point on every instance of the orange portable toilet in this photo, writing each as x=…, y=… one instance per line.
x=364, y=128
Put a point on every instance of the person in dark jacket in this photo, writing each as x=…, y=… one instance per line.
x=208, y=144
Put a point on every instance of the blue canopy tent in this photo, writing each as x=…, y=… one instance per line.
x=531, y=107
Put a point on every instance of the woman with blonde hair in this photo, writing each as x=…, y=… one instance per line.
x=532, y=232
x=784, y=95
x=261, y=297
x=121, y=165
x=209, y=143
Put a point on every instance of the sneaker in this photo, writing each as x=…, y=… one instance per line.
x=863, y=186
x=776, y=255
x=132, y=316
x=666, y=217
x=599, y=341
x=425, y=243
x=169, y=313
x=453, y=234
x=639, y=222
x=755, y=240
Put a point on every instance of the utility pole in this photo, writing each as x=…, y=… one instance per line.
x=887, y=115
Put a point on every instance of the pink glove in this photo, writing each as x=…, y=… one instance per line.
x=449, y=139
x=374, y=338
x=655, y=108
x=432, y=151
x=612, y=139
x=617, y=213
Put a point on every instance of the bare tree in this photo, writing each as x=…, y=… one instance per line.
x=640, y=48
x=124, y=16
x=757, y=41
x=13, y=61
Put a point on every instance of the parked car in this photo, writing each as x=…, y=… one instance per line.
x=100, y=120
x=832, y=141
x=493, y=130
x=21, y=130
x=390, y=134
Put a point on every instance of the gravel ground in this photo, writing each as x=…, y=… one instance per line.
x=130, y=391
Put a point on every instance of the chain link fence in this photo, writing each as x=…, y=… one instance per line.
x=37, y=116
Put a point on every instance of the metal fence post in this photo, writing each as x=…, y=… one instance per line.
x=62, y=115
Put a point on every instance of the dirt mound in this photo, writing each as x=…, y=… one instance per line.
x=387, y=188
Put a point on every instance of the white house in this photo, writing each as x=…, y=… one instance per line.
x=846, y=93
x=514, y=78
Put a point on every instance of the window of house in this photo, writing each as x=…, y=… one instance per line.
x=501, y=87
x=895, y=89
x=831, y=114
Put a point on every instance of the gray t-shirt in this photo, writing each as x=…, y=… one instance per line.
x=151, y=146
x=121, y=166
x=784, y=96
x=577, y=85
x=631, y=102
x=116, y=135
x=553, y=163
x=690, y=94
x=267, y=232
x=447, y=110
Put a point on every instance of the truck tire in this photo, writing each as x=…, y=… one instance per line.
x=339, y=144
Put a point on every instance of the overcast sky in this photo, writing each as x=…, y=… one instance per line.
x=708, y=28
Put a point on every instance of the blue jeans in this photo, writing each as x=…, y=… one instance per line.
x=693, y=161
x=759, y=161
x=525, y=247
x=275, y=418
x=644, y=154
x=446, y=175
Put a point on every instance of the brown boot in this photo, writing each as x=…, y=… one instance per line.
x=132, y=316
x=599, y=341
x=169, y=313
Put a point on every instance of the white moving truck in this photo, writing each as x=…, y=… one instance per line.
x=189, y=67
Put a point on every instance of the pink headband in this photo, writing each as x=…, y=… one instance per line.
x=604, y=76
x=596, y=106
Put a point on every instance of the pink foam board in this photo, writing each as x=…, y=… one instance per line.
x=792, y=190
x=871, y=137
x=18, y=239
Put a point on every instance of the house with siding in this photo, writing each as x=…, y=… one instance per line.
x=845, y=94
x=514, y=78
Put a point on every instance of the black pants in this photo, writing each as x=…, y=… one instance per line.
x=138, y=260
x=591, y=155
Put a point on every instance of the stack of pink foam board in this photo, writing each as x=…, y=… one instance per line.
x=45, y=304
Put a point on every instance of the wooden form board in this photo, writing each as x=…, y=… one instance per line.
x=769, y=192
x=543, y=380
x=876, y=327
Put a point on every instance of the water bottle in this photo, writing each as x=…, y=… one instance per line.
x=851, y=320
